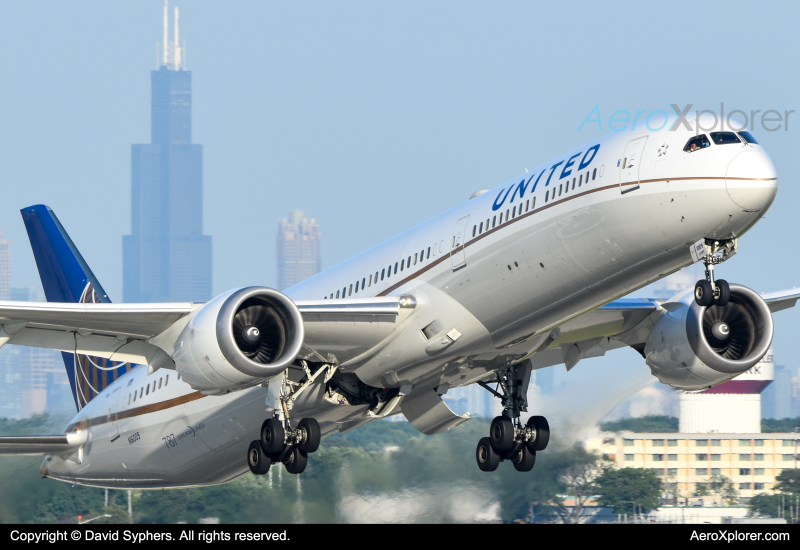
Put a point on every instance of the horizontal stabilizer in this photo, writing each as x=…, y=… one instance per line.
x=41, y=444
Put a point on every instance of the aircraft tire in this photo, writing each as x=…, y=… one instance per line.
x=703, y=293
x=296, y=461
x=272, y=436
x=724, y=293
x=542, y=428
x=312, y=435
x=487, y=457
x=501, y=434
x=524, y=459
x=257, y=460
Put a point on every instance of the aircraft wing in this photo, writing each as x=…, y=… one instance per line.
x=126, y=332
x=784, y=299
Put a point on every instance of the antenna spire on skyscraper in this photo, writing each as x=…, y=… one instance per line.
x=173, y=56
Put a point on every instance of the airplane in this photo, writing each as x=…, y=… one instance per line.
x=525, y=276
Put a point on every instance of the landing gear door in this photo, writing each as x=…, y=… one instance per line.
x=111, y=418
x=629, y=165
x=457, y=257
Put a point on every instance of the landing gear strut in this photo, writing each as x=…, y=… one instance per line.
x=509, y=439
x=710, y=292
x=279, y=440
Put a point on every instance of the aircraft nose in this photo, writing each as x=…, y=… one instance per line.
x=751, y=180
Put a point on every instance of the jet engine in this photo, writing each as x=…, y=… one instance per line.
x=238, y=340
x=693, y=347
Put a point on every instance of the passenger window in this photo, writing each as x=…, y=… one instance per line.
x=696, y=143
x=547, y=196
x=363, y=282
x=166, y=380
x=507, y=211
x=148, y=390
x=134, y=396
x=514, y=212
x=154, y=385
x=573, y=183
x=129, y=399
x=382, y=273
x=533, y=204
x=160, y=380
x=724, y=138
x=408, y=262
x=594, y=174
x=494, y=221
x=356, y=287
x=401, y=265
x=559, y=188
x=624, y=163
x=429, y=253
x=580, y=180
x=376, y=277
x=351, y=291
x=370, y=281
x=527, y=205
x=395, y=268
x=337, y=294
x=331, y=295
x=748, y=137
x=474, y=230
x=422, y=255
x=481, y=229
x=417, y=255
x=141, y=392
x=389, y=274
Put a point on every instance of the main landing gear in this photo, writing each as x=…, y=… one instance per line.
x=509, y=439
x=280, y=442
x=709, y=292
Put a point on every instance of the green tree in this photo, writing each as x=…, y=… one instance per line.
x=627, y=487
x=652, y=423
x=779, y=425
x=723, y=486
x=575, y=472
x=788, y=481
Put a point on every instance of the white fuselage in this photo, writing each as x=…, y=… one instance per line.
x=501, y=268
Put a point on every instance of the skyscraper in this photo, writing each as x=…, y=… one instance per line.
x=298, y=249
x=166, y=257
x=5, y=268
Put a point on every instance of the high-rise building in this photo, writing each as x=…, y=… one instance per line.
x=166, y=258
x=5, y=268
x=298, y=249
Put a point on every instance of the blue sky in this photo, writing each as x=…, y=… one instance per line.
x=371, y=116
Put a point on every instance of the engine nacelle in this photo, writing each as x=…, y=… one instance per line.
x=238, y=340
x=693, y=347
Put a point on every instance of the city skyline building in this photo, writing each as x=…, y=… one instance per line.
x=167, y=258
x=299, y=249
x=5, y=268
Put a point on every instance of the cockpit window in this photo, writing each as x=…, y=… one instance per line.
x=697, y=143
x=724, y=138
x=748, y=137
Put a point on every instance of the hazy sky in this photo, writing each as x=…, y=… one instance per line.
x=372, y=116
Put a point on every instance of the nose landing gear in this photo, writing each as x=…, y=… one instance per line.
x=709, y=292
x=509, y=439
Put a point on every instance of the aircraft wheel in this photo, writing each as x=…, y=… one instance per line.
x=524, y=459
x=311, y=435
x=296, y=461
x=258, y=461
x=501, y=434
x=487, y=457
x=703, y=293
x=541, y=427
x=272, y=436
x=724, y=293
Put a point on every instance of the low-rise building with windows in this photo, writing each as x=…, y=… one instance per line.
x=750, y=461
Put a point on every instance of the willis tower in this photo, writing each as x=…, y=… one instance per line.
x=166, y=258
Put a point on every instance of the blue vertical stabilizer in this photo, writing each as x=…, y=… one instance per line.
x=67, y=278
